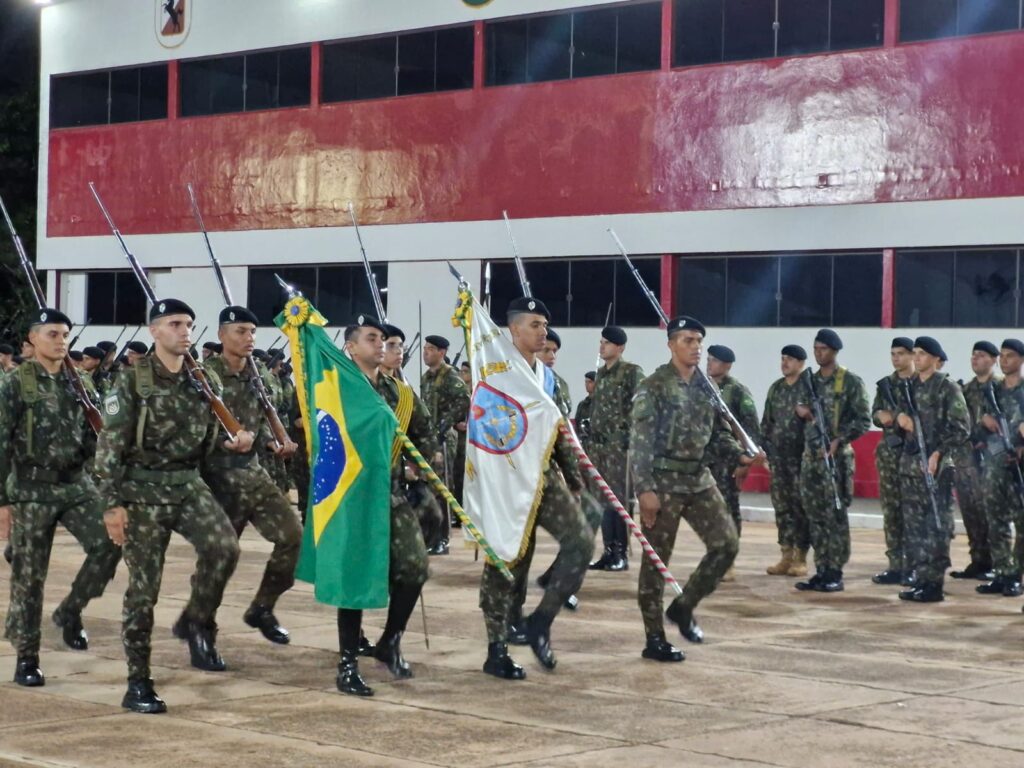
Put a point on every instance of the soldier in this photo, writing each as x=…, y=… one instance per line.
x=559, y=513
x=466, y=374
x=364, y=342
x=782, y=432
x=968, y=465
x=585, y=409
x=76, y=358
x=134, y=350
x=942, y=415
x=549, y=356
x=888, y=455
x=239, y=482
x=91, y=359
x=616, y=384
x=674, y=424
x=156, y=428
x=1002, y=497
x=44, y=444
x=210, y=349
x=6, y=359
x=845, y=408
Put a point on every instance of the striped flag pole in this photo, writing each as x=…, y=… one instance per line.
x=467, y=524
x=588, y=465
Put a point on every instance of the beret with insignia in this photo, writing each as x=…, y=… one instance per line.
x=167, y=307
x=685, y=323
x=526, y=304
x=236, y=314
x=48, y=315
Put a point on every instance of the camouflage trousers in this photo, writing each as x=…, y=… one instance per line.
x=34, y=525
x=429, y=511
x=561, y=515
x=971, y=500
x=1003, y=507
x=722, y=472
x=250, y=496
x=299, y=465
x=705, y=512
x=202, y=523
x=926, y=539
x=790, y=519
x=408, y=553
x=887, y=460
x=279, y=470
x=613, y=464
x=829, y=527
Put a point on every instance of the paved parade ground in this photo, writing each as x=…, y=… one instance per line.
x=788, y=679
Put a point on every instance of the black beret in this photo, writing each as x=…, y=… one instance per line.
x=590, y=375
x=795, y=351
x=274, y=356
x=987, y=347
x=237, y=314
x=905, y=342
x=166, y=307
x=390, y=331
x=465, y=364
x=106, y=346
x=686, y=323
x=438, y=341
x=94, y=352
x=614, y=334
x=367, y=320
x=218, y=348
x=1015, y=344
x=930, y=345
x=6, y=349
x=553, y=336
x=722, y=353
x=75, y=355
x=829, y=338
x=527, y=304
x=259, y=354
x=48, y=315
x=211, y=345
x=138, y=347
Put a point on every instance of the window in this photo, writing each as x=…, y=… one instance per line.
x=111, y=96
x=603, y=41
x=578, y=292
x=710, y=31
x=787, y=290
x=398, y=65
x=973, y=288
x=114, y=298
x=339, y=292
x=933, y=19
x=246, y=82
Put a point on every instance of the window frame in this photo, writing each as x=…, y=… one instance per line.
x=109, y=73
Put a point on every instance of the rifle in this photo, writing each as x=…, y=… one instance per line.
x=1004, y=434
x=821, y=424
x=519, y=261
x=195, y=373
x=710, y=389
x=410, y=350
x=71, y=344
x=607, y=320
x=194, y=349
x=74, y=380
x=893, y=439
x=370, y=277
x=487, y=284
x=922, y=453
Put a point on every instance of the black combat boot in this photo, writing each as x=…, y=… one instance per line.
x=618, y=562
x=602, y=563
x=349, y=634
x=389, y=653
x=202, y=648
x=974, y=570
x=28, y=673
x=926, y=592
x=140, y=697
x=1012, y=586
x=262, y=618
x=500, y=664
x=832, y=581
x=659, y=649
x=994, y=587
x=71, y=630
x=366, y=648
x=889, y=576
x=538, y=632
x=811, y=585
x=389, y=649
x=517, y=629
x=682, y=617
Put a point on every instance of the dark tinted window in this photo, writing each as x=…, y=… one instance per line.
x=701, y=289
x=547, y=49
x=592, y=291
x=639, y=38
x=277, y=79
x=632, y=307
x=802, y=300
x=416, y=62
x=339, y=292
x=506, y=51
x=454, y=58
x=362, y=69
x=856, y=24
x=594, y=40
x=114, y=298
x=698, y=31
x=753, y=283
x=263, y=80
x=803, y=27
x=857, y=289
x=932, y=19
x=985, y=288
x=924, y=288
x=747, y=29
x=979, y=16
x=111, y=96
x=212, y=86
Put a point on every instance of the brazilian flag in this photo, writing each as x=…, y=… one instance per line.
x=350, y=431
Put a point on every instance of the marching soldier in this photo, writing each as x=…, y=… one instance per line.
x=156, y=429
x=238, y=480
x=549, y=356
x=674, y=424
x=845, y=408
x=615, y=385
x=888, y=455
x=1002, y=497
x=585, y=410
x=942, y=415
x=559, y=513
x=364, y=342
x=782, y=432
x=44, y=444
x=968, y=463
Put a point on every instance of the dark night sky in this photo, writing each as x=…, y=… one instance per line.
x=19, y=45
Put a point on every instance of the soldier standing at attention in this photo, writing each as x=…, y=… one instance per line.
x=615, y=386
x=364, y=342
x=782, y=432
x=968, y=463
x=156, y=430
x=238, y=480
x=888, y=455
x=45, y=443
x=674, y=424
x=845, y=406
x=585, y=409
x=549, y=356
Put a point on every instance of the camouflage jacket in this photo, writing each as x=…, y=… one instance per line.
x=1011, y=404
x=445, y=396
x=44, y=438
x=942, y=409
x=240, y=397
x=420, y=429
x=892, y=436
x=583, y=412
x=610, y=417
x=674, y=425
x=741, y=403
x=846, y=411
x=152, y=441
x=562, y=398
x=781, y=429
x=977, y=406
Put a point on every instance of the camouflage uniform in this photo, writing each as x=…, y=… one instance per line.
x=300, y=459
x=968, y=470
x=281, y=396
x=741, y=403
x=582, y=421
x=848, y=418
x=44, y=444
x=244, y=489
x=783, y=442
x=156, y=430
x=946, y=427
x=562, y=397
x=674, y=423
x=1002, y=502
x=614, y=390
x=446, y=398
x=888, y=455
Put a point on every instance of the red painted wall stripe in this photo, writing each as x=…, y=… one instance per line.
x=669, y=272
x=888, y=287
x=172, y=90
x=479, y=62
x=316, y=68
x=891, y=28
x=666, y=34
